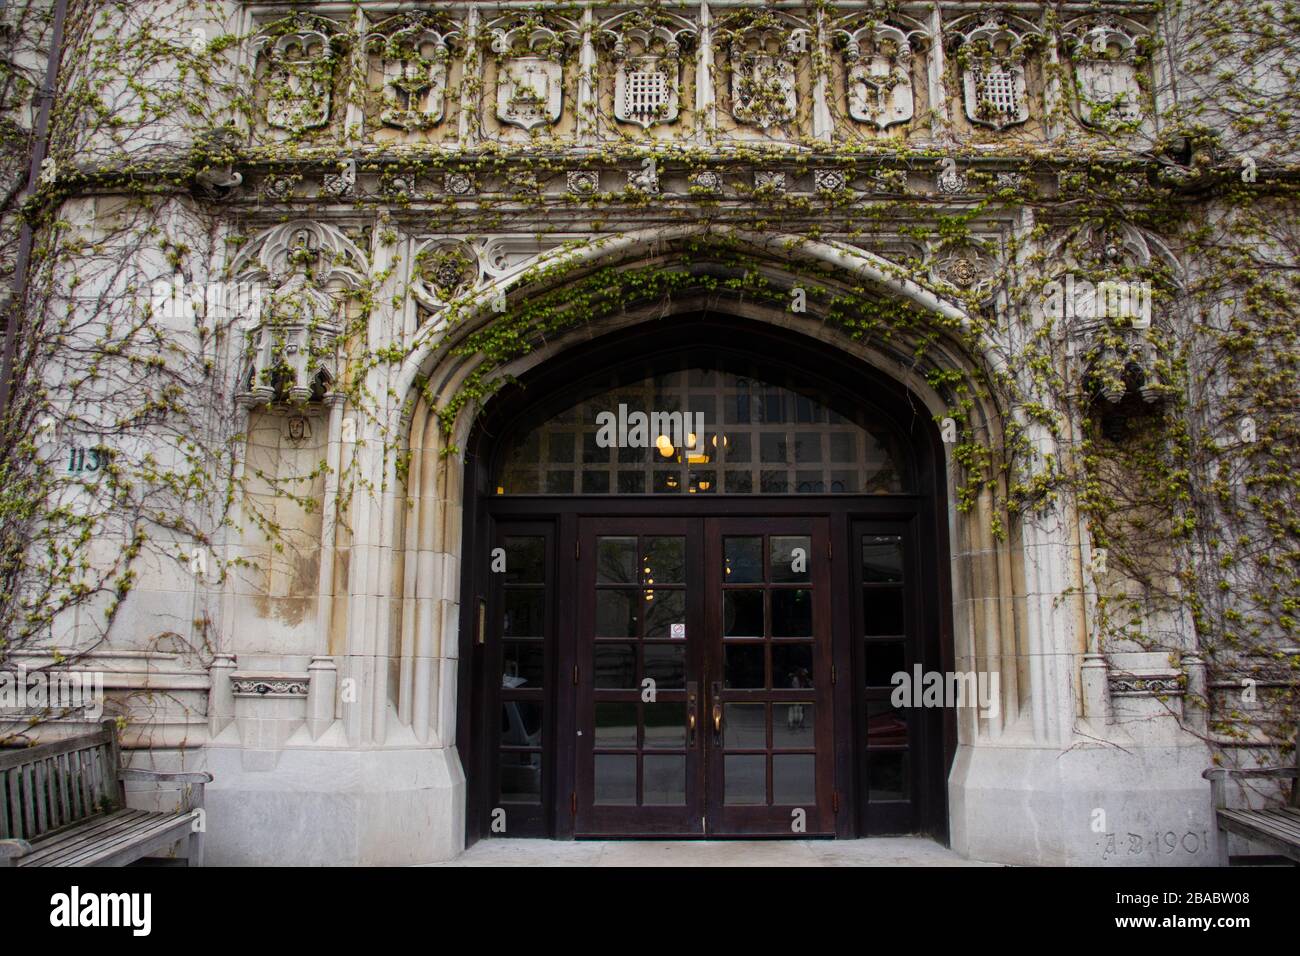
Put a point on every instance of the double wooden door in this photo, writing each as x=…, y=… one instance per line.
x=703, y=677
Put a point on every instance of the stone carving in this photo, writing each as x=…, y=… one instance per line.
x=301, y=53
x=966, y=267
x=991, y=51
x=767, y=180
x=269, y=686
x=290, y=352
x=583, y=182
x=444, y=268
x=646, y=178
x=278, y=188
x=830, y=180
x=340, y=185
x=647, y=63
x=1145, y=686
x=413, y=50
x=459, y=184
x=878, y=71
x=706, y=180
x=762, y=58
x=951, y=181
x=1104, y=52
x=530, y=75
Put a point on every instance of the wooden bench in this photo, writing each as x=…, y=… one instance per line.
x=1277, y=827
x=64, y=804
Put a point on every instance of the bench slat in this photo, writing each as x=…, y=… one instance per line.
x=145, y=842
x=85, y=834
x=131, y=830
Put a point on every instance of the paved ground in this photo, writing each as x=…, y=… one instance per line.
x=878, y=851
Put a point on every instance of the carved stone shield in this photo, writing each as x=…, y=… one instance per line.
x=529, y=91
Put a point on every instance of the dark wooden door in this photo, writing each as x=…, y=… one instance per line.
x=768, y=669
x=703, y=677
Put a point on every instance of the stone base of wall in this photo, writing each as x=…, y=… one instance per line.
x=323, y=807
x=1029, y=805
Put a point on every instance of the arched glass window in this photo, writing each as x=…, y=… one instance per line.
x=700, y=430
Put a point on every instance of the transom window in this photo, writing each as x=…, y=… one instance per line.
x=700, y=430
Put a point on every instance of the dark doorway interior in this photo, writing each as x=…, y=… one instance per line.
x=691, y=631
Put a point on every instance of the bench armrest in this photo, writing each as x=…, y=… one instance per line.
x=187, y=776
x=12, y=849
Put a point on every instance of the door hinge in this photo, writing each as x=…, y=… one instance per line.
x=575, y=675
x=835, y=801
x=830, y=550
x=834, y=674
x=577, y=549
x=573, y=803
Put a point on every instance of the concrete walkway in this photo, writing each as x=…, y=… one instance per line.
x=877, y=851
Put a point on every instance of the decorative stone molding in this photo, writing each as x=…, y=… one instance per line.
x=645, y=179
x=878, y=69
x=1145, y=685
x=278, y=188
x=991, y=51
x=951, y=181
x=301, y=53
x=413, y=50
x=646, y=50
x=246, y=685
x=1105, y=54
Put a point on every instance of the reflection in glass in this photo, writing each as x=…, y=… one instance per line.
x=616, y=779
x=791, y=612
x=887, y=775
x=616, y=560
x=882, y=557
x=664, y=783
x=792, y=665
x=524, y=615
x=743, y=665
x=662, y=610
x=521, y=723
x=791, y=558
x=742, y=560
x=521, y=776
x=665, y=725
x=886, y=726
x=525, y=560
x=665, y=665
x=744, y=726
x=664, y=561
x=792, y=726
x=744, y=779
x=615, y=666
x=616, y=725
x=522, y=663
x=793, y=780
x=616, y=612
x=742, y=612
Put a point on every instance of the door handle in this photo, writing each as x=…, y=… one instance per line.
x=692, y=707
x=716, y=695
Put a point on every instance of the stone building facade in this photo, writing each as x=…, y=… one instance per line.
x=715, y=186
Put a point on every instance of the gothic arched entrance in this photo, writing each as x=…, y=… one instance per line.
x=698, y=550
